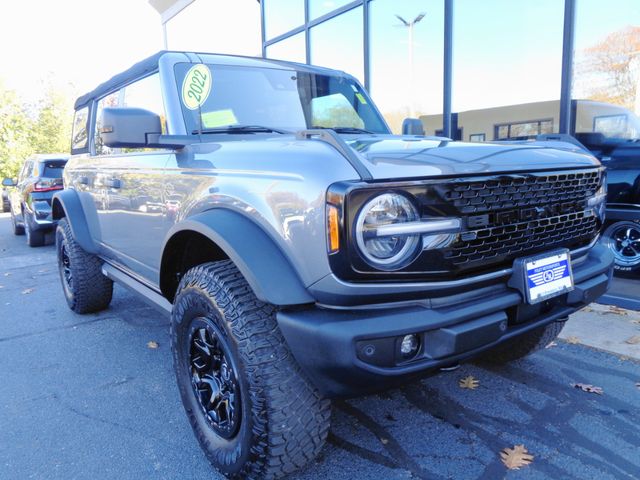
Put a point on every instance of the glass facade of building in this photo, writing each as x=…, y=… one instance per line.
x=509, y=71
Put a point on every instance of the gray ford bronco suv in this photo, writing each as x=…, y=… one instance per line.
x=305, y=253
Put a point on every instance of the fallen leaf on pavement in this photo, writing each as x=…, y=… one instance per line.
x=516, y=457
x=7, y=274
x=469, y=382
x=635, y=340
x=152, y=344
x=587, y=309
x=585, y=387
x=573, y=339
x=27, y=291
x=384, y=440
x=618, y=310
x=552, y=344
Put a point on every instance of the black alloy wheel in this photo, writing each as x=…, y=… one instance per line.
x=623, y=239
x=213, y=377
x=66, y=274
x=626, y=244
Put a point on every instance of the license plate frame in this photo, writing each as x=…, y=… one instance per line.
x=547, y=275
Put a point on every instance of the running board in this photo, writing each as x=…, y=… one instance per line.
x=148, y=295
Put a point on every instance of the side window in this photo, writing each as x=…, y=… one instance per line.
x=79, y=132
x=144, y=93
x=111, y=100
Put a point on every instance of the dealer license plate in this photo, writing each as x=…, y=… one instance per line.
x=548, y=276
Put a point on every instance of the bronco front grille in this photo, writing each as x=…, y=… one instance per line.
x=514, y=215
x=519, y=191
x=503, y=217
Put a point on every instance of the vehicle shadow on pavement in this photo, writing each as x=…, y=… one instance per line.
x=433, y=429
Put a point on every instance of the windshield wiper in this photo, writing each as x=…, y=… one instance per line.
x=239, y=129
x=346, y=129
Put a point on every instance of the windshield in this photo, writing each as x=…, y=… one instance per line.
x=218, y=96
x=613, y=121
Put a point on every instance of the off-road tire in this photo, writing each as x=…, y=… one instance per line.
x=17, y=229
x=284, y=420
x=88, y=290
x=35, y=238
x=523, y=345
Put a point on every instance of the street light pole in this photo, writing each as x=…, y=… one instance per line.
x=410, y=25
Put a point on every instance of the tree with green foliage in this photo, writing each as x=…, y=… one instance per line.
x=15, y=127
x=26, y=129
x=51, y=132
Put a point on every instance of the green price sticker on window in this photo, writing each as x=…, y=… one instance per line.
x=196, y=86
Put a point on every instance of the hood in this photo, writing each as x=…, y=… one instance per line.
x=393, y=157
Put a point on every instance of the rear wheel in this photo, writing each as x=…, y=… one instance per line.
x=523, y=345
x=252, y=410
x=85, y=288
x=623, y=239
x=17, y=229
x=35, y=238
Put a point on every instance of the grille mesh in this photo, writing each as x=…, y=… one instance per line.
x=562, y=218
x=509, y=241
x=520, y=191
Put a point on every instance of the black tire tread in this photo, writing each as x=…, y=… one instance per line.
x=35, y=238
x=290, y=418
x=524, y=344
x=92, y=291
x=17, y=229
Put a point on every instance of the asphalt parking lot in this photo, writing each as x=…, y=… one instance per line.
x=85, y=397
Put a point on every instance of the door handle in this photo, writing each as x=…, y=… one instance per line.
x=113, y=183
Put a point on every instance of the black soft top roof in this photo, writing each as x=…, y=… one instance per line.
x=147, y=65
x=150, y=64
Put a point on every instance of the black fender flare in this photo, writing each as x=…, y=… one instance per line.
x=262, y=263
x=67, y=204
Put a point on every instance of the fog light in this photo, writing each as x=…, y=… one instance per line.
x=409, y=346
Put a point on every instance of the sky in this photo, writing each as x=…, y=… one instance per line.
x=506, y=51
x=77, y=44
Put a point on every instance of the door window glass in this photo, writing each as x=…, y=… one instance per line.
x=79, y=132
x=111, y=100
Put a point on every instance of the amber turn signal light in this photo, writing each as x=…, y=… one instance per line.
x=333, y=236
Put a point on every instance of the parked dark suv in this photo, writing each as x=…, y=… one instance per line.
x=618, y=148
x=30, y=200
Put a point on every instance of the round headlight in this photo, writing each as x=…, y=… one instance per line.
x=386, y=252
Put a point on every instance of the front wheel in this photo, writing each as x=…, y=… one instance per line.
x=623, y=239
x=252, y=410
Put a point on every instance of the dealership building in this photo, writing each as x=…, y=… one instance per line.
x=518, y=66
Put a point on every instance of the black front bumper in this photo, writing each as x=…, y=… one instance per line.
x=346, y=352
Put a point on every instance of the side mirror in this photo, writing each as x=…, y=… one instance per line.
x=128, y=127
x=412, y=126
x=9, y=182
